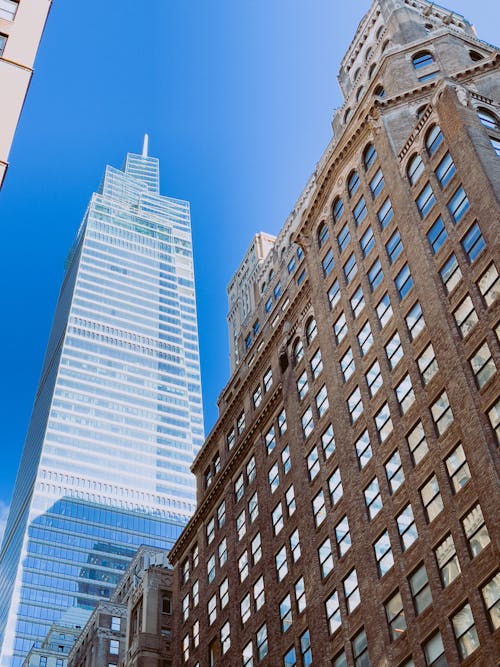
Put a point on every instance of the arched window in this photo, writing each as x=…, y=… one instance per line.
x=379, y=32
x=271, y=275
x=347, y=114
x=414, y=169
x=371, y=70
x=421, y=110
x=323, y=235
x=338, y=209
x=263, y=287
x=384, y=46
x=361, y=90
x=298, y=350
x=422, y=59
x=379, y=91
x=369, y=156
x=433, y=139
x=353, y=183
x=487, y=118
x=311, y=330
x=356, y=74
x=475, y=56
x=368, y=53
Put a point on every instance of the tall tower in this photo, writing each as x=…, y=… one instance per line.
x=117, y=417
x=348, y=495
x=21, y=27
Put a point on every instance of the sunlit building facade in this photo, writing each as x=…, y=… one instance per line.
x=117, y=417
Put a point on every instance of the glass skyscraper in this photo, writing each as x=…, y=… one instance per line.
x=117, y=418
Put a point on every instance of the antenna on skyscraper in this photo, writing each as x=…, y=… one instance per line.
x=145, y=146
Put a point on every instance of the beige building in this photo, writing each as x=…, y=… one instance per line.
x=21, y=27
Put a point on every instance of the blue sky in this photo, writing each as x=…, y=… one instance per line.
x=237, y=98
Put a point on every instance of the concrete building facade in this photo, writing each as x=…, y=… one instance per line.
x=21, y=26
x=348, y=493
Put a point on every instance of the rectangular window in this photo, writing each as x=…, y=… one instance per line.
x=367, y=242
x=350, y=268
x=355, y=405
x=365, y=338
x=322, y=403
x=291, y=265
x=417, y=443
x=404, y=281
x=383, y=422
x=243, y=566
x=351, y=591
x=221, y=514
x=445, y=170
x=425, y=200
x=420, y=589
x=286, y=613
x=328, y=441
x=343, y=238
x=257, y=397
x=211, y=568
x=225, y=638
x=334, y=294
x=282, y=422
x=447, y=561
x=281, y=564
x=476, y=531
x=377, y=183
x=385, y=213
x=437, y=235
x=347, y=364
x=313, y=463
x=374, y=378
x=222, y=550
x=395, y=616
x=458, y=205
x=251, y=469
x=240, y=424
x=307, y=423
x=335, y=487
x=269, y=304
x=494, y=417
x=247, y=655
x=256, y=547
x=360, y=650
x=451, y=274
x=241, y=527
x=473, y=243
x=270, y=440
x=363, y=449
x=277, y=291
x=259, y=593
x=245, y=609
x=3, y=42
x=195, y=592
x=325, y=556
x=465, y=631
x=343, y=536
x=394, y=472
x=300, y=595
x=332, y=608
x=482, y=365
x=286, y=461
x=210, y=530
x=238, y=488
x=405, y=394
x=340, y=328
x=431, y=499
x=8, y=9
x=491, y=596
x=290, y=659
x=427, y=364
x=415, y=321
x=394, y=246
x=224, y=593
x=185, y=648
x=291, y=504
x=357, y=302
x=295, y=545
x=375, y=275
x=383, y=554
x=253, y=508
x=261, y=641
x=185, y=607
x=319, y=509
x=458, y=468
x=302, y=385
x=327, y=263
x=465, y=316
x=406, y=527
x=359, y=212
x=434, y=651
x=305, y=649
x=442, y=414
x=230, y=439
x=393, y=350
x=384, y=310
x=373, y=499
x=316, y=364
x=268, y=379
x=489, y=285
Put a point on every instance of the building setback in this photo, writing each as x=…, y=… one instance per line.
x=117, y=419
x=348, y=494
x=21, y=27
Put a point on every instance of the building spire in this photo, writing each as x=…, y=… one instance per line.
x=145, y=146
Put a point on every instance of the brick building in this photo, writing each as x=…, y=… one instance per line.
x=348, y=494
